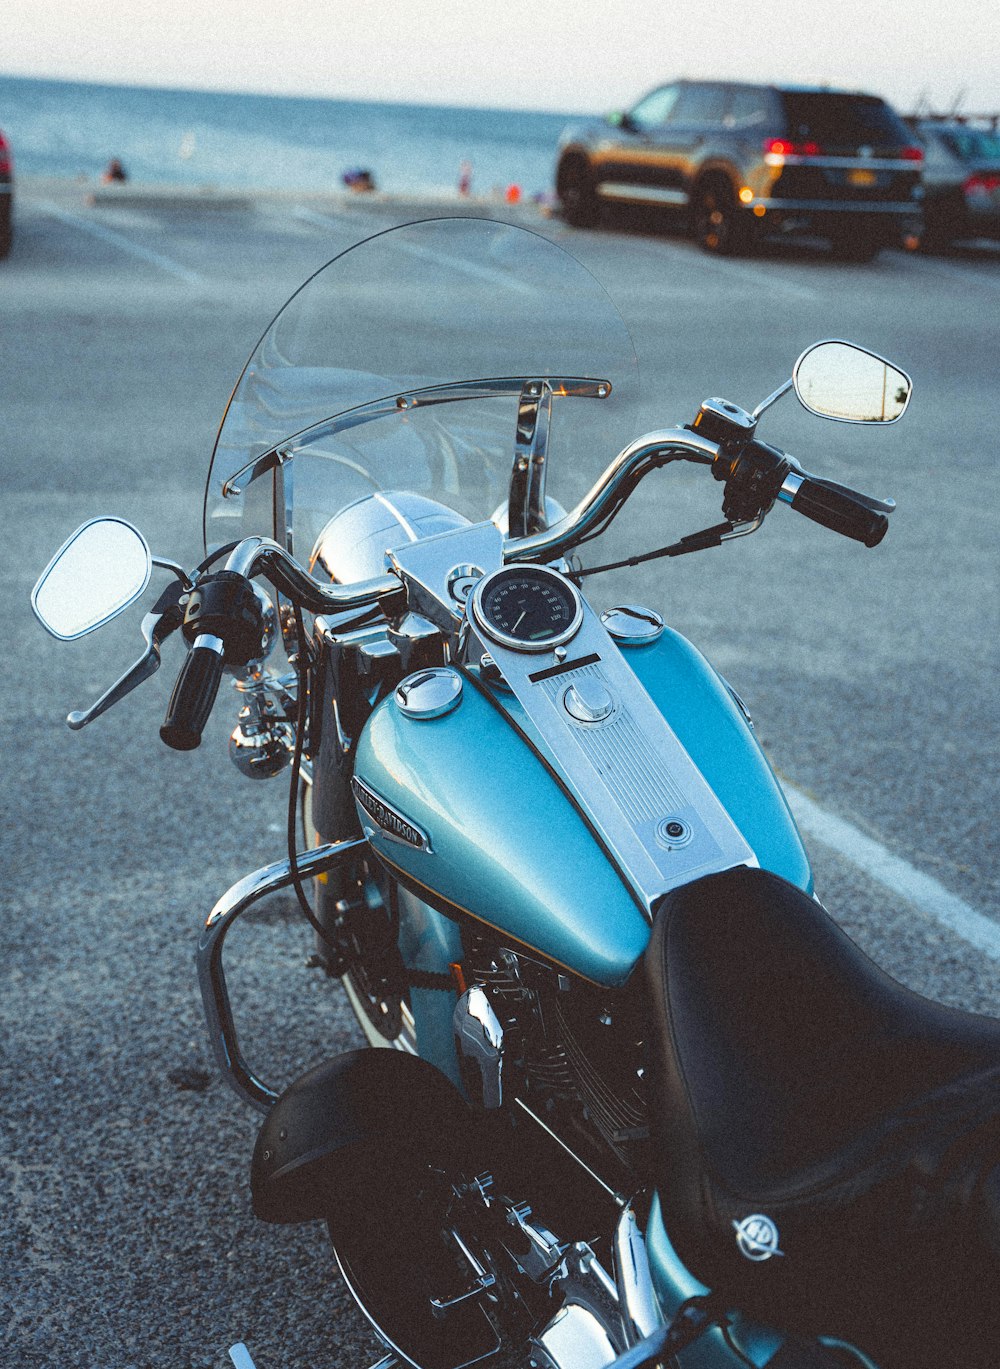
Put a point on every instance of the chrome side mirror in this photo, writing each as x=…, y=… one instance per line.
x=842, y=381
x=101, y=569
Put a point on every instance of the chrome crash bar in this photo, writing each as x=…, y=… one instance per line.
x=211, y=977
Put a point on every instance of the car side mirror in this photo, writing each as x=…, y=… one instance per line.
x=842, y=381
x=619, y=119
x=102, y=568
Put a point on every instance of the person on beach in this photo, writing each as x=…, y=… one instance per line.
x=114, y=171
x=359, y=180
x=465, y=178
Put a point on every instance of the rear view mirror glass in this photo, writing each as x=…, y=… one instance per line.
x=842, y=381
x=101, y=569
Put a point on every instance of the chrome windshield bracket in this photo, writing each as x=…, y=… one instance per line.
x=211, y=977
x=526, y=501
x=253, y=470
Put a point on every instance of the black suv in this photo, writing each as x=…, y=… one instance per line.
x=747, y=159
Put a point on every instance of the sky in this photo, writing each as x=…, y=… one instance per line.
x=585, y=55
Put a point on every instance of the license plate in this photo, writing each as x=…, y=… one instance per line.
x=861, y=178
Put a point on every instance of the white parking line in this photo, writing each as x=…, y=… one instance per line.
x=947, y=270
x=869, y=856
x=307, y=215
x=124, y=244
x=761, y=278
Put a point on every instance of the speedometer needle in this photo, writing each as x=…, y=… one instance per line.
x=519, y=621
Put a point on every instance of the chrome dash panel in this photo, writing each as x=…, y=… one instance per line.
x=627, y=770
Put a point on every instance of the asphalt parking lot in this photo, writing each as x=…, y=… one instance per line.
x=128, y=1240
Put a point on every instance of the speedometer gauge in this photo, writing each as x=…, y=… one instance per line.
x=527, y=608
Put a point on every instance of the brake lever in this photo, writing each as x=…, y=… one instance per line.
x=155, y=627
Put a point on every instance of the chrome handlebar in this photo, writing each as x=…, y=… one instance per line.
x=256, y=554
x=262, y=554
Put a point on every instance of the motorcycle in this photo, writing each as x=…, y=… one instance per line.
x=639, y=1100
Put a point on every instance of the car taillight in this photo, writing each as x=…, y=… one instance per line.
x=982, y=183
x=912, y=154
x=784, y=147
x=5, y=160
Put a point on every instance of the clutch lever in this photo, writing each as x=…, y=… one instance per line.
x=165, y=617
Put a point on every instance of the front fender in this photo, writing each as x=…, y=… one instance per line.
x=366, y=1112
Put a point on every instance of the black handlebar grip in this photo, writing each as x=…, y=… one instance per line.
x=194, y=695
x=841, y=511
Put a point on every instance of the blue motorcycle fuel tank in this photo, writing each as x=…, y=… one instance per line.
x=466, y=812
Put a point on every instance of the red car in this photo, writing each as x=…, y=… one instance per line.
x=6, y=196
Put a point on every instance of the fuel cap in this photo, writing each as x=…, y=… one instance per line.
x=588, y=701
x=429, y=693
x=632, y=625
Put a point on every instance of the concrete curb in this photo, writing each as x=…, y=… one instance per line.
x=215, y=199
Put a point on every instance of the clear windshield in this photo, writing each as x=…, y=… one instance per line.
x=422, y=365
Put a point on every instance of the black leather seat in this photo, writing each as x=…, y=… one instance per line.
x=796, y=1080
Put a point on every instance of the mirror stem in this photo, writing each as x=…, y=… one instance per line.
x=771, y=399
x=177, y=570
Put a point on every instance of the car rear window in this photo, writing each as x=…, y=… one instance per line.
x=748, y=105
x=974, y=145
x=826, y=118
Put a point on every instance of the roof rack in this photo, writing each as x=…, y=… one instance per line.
x=985, y=121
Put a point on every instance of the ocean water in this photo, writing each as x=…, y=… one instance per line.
x=198, y=138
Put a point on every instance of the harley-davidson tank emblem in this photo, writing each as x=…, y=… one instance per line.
x=391, y=821
x=757, y=1237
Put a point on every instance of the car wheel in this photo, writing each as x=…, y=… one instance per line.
x=577, y=195
x=720, y=226
x=938, y=234
x=855, y=244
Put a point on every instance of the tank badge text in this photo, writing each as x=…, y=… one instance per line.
x=392, y=823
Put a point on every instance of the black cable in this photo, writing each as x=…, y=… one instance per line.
x=215, y=556
x=696, y=541
x=727, y=1336
x=623, y=495
x=302, y=670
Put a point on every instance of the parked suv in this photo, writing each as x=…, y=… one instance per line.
x=961, y=180
x=747, y=159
